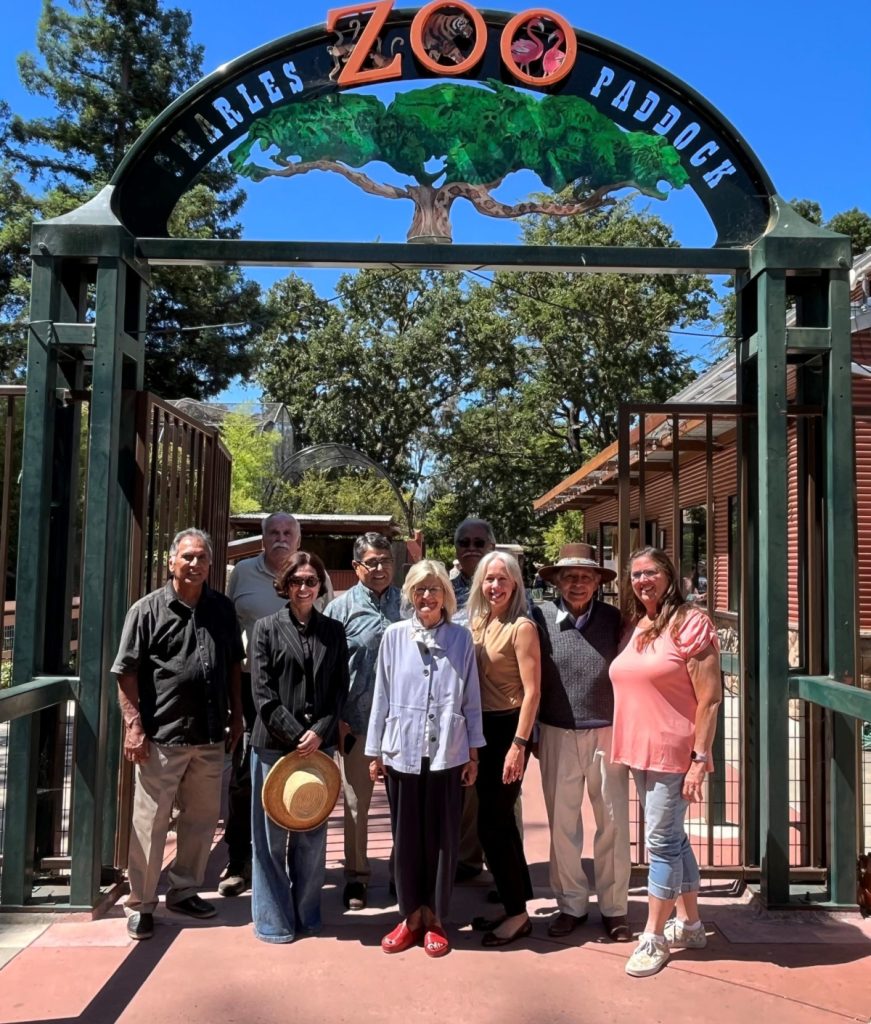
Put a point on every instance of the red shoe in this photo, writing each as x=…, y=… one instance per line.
x=435, y=942
x=401, y=938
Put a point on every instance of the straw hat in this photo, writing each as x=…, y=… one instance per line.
x=574, y=556
x=299, y=792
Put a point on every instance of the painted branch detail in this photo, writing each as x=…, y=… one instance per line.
x=478, y=135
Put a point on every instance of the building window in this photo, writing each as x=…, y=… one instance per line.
x=693, y=552
x=734, y=554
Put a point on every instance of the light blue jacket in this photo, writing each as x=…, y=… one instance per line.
x=426, y=702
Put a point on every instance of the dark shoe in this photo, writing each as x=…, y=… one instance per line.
x=564, y=924
x=493, y=896
x=193, y=906
x=354, y=896
x=140, y=925
x=486, y=924
x=466, y=872
x=491, y=940
x=235, y=881
x=401, y=938
x=617, y=928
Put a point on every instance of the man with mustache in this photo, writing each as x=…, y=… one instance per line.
x=252, y=591
x=178, y=667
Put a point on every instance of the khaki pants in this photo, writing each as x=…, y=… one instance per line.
x=191, y=777
x=357, y=788
x=572, y=759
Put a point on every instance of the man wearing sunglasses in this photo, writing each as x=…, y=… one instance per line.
x=365, y=611
x=252, y=591
x=473, y=538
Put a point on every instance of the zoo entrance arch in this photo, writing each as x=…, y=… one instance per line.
x=580, y=112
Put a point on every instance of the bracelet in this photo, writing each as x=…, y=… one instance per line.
x=519, y=741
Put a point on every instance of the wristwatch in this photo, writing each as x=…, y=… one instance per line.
x=699, y=757
x=519, y=741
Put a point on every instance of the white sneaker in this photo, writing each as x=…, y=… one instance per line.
x=649, y=957
x=680, y=937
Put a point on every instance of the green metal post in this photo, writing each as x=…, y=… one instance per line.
x=31, y=582
x=773, y=639
x=748, y=539
x=98, y=632
x=840, y=485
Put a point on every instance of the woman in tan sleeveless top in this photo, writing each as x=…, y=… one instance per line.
x=509, y=671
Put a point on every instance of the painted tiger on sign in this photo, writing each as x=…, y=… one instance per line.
x=441, y=34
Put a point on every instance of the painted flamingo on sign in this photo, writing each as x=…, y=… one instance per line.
x=553, y=59
x=529, y=48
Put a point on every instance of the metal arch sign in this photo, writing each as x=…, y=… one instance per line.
x=512, y=92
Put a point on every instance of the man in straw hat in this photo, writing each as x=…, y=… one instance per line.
x=178, y=668
x=580, y=639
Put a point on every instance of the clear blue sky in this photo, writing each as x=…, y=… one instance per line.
x=792, y=77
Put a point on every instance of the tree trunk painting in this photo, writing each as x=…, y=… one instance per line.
x=479, y=135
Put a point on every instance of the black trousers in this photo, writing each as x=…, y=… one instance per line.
x=497, y=827
x=425, y=813
x=237, y=830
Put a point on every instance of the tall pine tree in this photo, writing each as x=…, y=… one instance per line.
x=108, y=67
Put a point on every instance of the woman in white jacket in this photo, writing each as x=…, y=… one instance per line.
x=424, y=734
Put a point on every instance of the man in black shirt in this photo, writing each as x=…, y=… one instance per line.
x=178, y=669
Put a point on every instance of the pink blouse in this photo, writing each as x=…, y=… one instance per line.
x=654, y=700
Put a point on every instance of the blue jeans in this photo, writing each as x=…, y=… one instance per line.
x=287, y=868
x=673, y=866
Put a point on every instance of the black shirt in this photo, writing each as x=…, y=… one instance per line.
x=181, y=657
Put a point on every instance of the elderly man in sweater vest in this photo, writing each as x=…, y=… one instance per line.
x=580, y=638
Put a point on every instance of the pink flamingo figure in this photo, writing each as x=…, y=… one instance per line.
x=553, y=59
x=527, y=49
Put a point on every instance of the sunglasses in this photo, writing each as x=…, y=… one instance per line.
x=304, y=581
x=371, y=564
x=423, y=591
x=471, y=542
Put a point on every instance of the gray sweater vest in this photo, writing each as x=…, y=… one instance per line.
x=576, y=690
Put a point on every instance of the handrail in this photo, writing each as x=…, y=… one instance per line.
x=35, y=695
x=825, y=691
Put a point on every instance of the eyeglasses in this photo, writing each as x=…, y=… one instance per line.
x=423, y=591
x=472, y=542
x=645, y=574
x=371, y=564
x=304, y=581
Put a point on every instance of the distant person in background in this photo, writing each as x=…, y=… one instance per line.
x=365, y=611
x=252, y=591
x=667, y=690
x=473, y=539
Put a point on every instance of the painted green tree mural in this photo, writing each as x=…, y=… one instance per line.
x=478, y=136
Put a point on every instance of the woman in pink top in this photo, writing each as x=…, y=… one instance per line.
x=666, y=694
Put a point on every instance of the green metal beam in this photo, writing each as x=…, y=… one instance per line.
x=557, y=259
x=823, y=690
x=840, y=500
x=773, y=654
x=28, y=698
x=99, y=571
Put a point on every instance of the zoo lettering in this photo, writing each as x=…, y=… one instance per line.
x=367, y=48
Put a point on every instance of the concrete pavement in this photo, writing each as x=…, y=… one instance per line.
x=802, y=967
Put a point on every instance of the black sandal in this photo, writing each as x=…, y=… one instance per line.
x=486, y=924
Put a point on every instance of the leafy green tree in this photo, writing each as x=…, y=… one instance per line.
x=475, y=137
x=253, y=455
x=377, y=370
x=565, y=528
x=341, y=492
x=857, y=224
x=587, y=342
x=107, y=68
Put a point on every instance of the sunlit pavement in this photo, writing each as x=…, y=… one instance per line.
x=758, y=966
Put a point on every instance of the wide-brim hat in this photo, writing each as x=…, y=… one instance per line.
x=299, y=792
x=574, y=556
